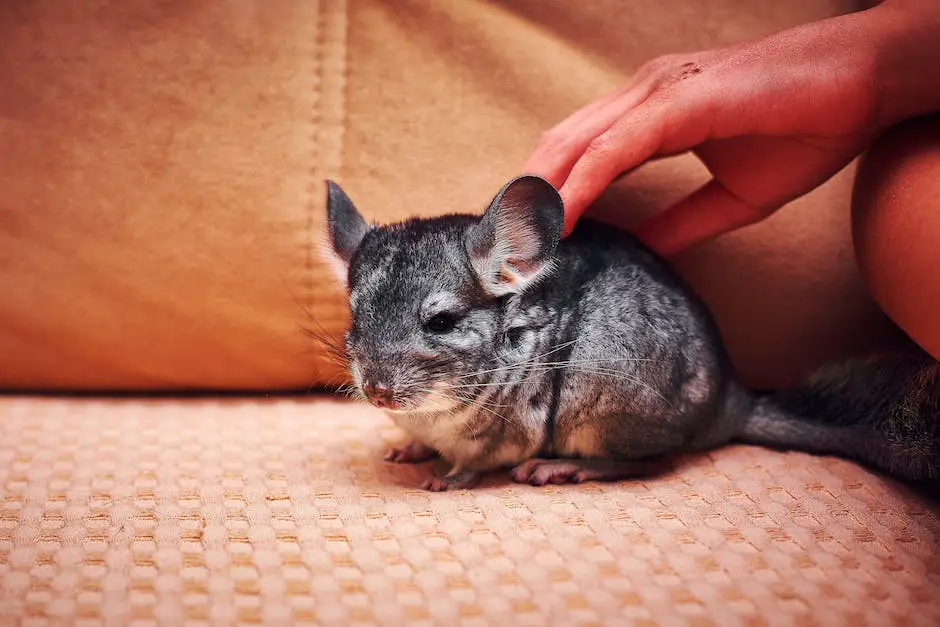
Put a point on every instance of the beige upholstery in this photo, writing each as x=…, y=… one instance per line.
x=281, y=512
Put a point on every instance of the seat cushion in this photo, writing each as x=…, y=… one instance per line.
x=281, y=511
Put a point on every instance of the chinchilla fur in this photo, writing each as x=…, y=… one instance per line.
x=495, y=344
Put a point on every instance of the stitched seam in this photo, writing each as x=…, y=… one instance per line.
x=315, y=136
x=329, y=121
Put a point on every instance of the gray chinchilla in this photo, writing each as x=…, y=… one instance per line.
x=495, y=344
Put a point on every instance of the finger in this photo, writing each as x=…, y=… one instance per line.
x=575, y=120
x=708, y=212
x=546, y=159
x=627, y=143
x=562, y=146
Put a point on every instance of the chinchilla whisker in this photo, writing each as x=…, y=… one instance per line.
x=450, y=412
x=459, y=393
x=498, y=369
x=333, y=350
x=499, y=405
x=624, y=377
x=513, y=365
x=556, y=348
x=330, y=383
x=550, y=351
x=490, y=371
x=541, y=368
x=502, y=369
x=482, y=400
x=534, y=372
x=494, y=413
x=600, y=360
x=333, y=345
x=572, y=365
x=479, y=402
x=347, y=389
x=490, y=384
x=534, y=360
x=491, y=404
x=565, y=365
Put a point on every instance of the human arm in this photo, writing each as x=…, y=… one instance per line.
x=771, y=118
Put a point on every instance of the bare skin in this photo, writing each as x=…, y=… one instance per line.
x=896, y=227
x=772, y=119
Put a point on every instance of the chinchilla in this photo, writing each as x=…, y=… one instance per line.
x=495, y=344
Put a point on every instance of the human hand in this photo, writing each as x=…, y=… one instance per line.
x=771, y=119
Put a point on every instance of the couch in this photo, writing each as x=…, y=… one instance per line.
x=170, y=448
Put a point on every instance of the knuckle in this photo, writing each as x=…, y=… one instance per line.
x=669, y=71
x=601, y=146
x=662, y=63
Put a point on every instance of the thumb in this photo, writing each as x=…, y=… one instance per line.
x=708, y=212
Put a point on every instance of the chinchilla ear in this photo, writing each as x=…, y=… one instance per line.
x=345, y=229
x=513, y=243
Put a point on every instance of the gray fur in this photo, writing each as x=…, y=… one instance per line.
x=882, y=410
x=575, y=360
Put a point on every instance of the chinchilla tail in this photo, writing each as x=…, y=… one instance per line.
x=882, y=411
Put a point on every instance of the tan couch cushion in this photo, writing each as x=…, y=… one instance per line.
x=157, y=194
x=163, y=162
x=283, y=513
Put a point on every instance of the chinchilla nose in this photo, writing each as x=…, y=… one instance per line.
x=379, y=395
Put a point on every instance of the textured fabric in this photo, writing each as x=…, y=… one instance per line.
x=281, y=512
x=163, y=164
x=156, y=213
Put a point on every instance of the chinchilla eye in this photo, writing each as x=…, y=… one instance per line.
x=442, y=323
